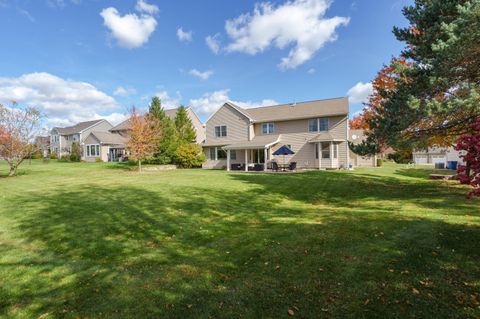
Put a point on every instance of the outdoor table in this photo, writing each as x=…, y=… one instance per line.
x=283, y=167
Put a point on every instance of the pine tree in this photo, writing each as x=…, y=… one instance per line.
x=185, y=130
x=167, y=145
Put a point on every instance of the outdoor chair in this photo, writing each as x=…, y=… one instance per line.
x=275, y=166
x=293, y=166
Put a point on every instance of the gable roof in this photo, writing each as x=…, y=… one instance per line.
x=77, y=128
x=301, y=110
x=125, y=125
x=110, y=138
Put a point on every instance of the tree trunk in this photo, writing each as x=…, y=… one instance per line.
x=139, y=166
x=13, y=170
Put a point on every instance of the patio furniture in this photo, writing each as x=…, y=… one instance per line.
x=284, y=150
x=293, y=166
x=274, y=166
x=237, y=167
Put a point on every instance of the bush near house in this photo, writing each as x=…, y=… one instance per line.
x=190, y=155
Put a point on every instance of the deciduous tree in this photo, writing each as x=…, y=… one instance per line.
x=145, y=133
x=470, y=172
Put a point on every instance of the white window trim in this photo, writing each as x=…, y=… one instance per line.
x=268, y=128
x=88, y=146
x=318, y=124
x=220, y=126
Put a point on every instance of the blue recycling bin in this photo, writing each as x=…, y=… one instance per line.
x=452, y=165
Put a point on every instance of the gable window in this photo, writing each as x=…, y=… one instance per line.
x=221, y=131
x=268, y=128
x=317, y=125
x=93, y=150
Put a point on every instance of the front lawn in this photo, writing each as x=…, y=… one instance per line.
x=92, y=241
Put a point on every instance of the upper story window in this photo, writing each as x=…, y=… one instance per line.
x=268, y=128
x=221, y=131
x=317, y=125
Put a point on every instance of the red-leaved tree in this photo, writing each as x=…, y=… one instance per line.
x=469, y=173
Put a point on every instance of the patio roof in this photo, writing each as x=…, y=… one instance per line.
x=325, y=137
x=258, y=142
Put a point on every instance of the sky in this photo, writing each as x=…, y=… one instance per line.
x=86, y=59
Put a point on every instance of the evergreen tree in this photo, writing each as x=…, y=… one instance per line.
x=168, y=143
x=185, y=130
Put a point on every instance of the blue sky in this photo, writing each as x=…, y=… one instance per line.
x=82, y=59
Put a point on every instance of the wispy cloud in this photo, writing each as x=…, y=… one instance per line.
x=201, y=75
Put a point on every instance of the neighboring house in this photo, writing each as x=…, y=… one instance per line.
x=124, y=127
x=356, y=137
x=107, y=146
x=62, y=138
x=316, y=131
x=43, y=144
x=434, y=155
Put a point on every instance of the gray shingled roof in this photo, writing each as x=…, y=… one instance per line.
x=77, y=128
x=324, y=137
x=301, y=110
x=257, y=142
x=125, y=125
x=110, y=138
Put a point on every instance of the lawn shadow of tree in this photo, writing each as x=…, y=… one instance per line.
x=203, y=252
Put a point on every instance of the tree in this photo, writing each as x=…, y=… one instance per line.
x=76, y=152
x=438, y=97
x=18, y=129
x=470, y=172
x=167, y=144
x=190, y=155
x=145, y=132
x=185, y=130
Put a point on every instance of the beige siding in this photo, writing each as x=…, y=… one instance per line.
x=220, y=164
x=237, y=126
x=103, y=126
x=296, y=134
x=198, y=125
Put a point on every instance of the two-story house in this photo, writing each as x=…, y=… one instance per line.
x=316, y=131
x=62, y=138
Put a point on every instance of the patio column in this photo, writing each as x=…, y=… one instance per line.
x=331, y=154
x=319, y=155
x=265, y=159
x=228, y=160
x=246, y=160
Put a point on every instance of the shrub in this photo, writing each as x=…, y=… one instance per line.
x=53, y=156
x=37, y=155
x=98, y=160
x=64, y=159
x=379, y=162
x=190, y=155
x=76, y=153
x=401, y=157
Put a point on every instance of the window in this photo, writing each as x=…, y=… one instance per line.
x=335, y=151
x=317, y=125
x=221, y=154
x=325, y=150
x=93, y=150
x=212, y=153
x=267, y=128
x=221, y=131
x=233, y=154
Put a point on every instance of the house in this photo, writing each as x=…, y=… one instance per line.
x=124, y=127
x=434, y=155
x=106, y=146
x=317, y=131
x=357, y=137
x=62, y=138
x=43, y=145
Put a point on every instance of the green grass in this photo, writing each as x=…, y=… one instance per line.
x=93, y=241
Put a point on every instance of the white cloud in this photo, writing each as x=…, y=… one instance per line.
x=130, y=30
x=311, y=71
x=213, y=43
x=144, y=6
x=210, y=102
x=360, y=92
x=124, y=91
x=65, y=102
x=201, y=75
x=300, y=23
x=184, y=36
x=169, y=102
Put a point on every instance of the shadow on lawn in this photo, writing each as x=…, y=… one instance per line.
x=128, y=252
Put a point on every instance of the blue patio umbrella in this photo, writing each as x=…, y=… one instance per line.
x=284, y=150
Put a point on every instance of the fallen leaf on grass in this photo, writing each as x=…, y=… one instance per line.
x=291, y=312
x=415, y=291
x=189, y=306
x=366, y=302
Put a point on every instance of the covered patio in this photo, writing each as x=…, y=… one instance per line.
x=253, y=155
